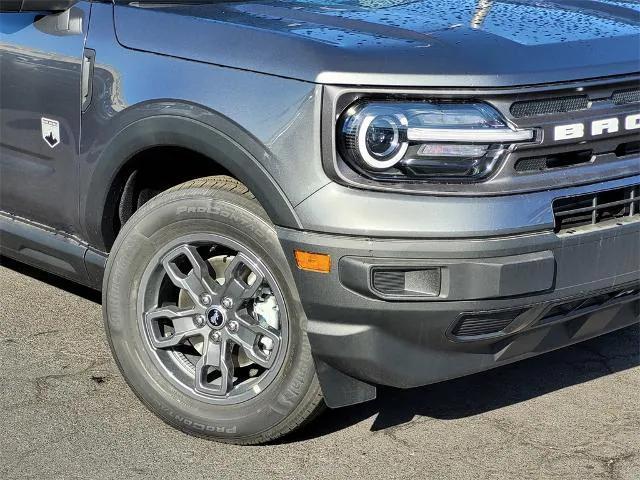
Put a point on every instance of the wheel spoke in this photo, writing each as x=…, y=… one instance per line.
x=235, y=279
x=198, y=281
x=215, y=356
x=181, y=321
x=248, y=337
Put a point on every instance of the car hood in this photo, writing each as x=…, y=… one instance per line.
x=455, y=43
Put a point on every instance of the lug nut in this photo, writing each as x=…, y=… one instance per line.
x=233, y=326
x=227, y=303
x=205, y=298
x=215, y=337
x=199, y=321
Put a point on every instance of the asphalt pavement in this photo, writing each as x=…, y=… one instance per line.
x=66, y=413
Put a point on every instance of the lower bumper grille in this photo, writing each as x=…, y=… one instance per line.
x=492, y=325
x=577, y=307
x=594, y=208
x=471, y=327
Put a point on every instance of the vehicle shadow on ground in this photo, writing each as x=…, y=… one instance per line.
x=490, y=390
x=454, y=399
x=51, y=279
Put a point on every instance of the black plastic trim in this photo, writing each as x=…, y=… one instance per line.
x=47, y=249
x=503, y=277
x=176, y=131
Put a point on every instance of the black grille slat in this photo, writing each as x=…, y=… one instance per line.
x=622, y=97
x=628, y=148
x=481, y=329
x=557, y=160
x=389, y=281
x=548, y=106
x=531, y=164
x=422, y=282
x=594, y=208
x=572, y=103
x=484, y=324
x=597, y=207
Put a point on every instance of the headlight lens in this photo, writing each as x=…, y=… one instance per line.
x=425, y=140
x=377, y=135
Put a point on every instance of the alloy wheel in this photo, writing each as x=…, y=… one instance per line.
x=213, y=318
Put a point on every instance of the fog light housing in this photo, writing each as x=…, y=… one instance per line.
x=399, y=282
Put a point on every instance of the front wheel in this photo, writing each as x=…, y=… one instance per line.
x=203, y=319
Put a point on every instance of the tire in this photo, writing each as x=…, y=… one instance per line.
x=135, y=291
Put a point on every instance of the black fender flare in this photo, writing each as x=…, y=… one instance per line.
x=179, y=131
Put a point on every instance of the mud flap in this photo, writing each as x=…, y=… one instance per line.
x=341, y=390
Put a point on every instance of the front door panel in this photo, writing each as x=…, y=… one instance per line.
x=40, y=107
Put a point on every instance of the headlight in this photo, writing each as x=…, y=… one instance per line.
x=425, y=140
x=377, y=136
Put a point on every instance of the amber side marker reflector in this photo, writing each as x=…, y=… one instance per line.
x=313, y=262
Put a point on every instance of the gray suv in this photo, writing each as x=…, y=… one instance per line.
x=287, y=204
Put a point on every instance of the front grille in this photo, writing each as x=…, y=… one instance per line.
x=591, y=209
x=558, y=160
x=622, y=97
x=573, y=103
x=541, y=163
x=548, y=106
x=628, y=148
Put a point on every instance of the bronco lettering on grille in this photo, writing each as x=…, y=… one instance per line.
x=598, y=127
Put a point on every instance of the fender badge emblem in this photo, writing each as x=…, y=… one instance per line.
x=51, y=132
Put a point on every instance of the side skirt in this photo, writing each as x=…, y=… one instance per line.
x=50, y=250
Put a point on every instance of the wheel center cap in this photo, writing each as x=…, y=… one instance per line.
x=215, y=318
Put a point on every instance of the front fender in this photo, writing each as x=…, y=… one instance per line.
x=179, y=131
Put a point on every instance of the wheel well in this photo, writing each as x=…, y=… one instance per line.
x=145, y=175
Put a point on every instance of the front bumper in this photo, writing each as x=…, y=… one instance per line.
x=553, y=290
